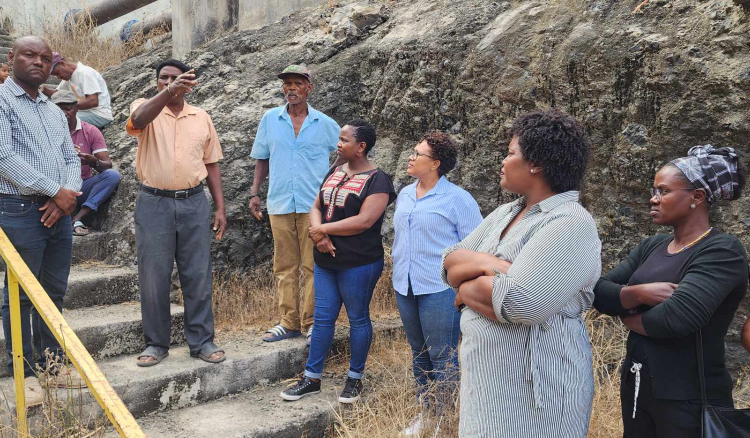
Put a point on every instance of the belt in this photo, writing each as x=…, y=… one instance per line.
x=175, y=194
x=36, y=199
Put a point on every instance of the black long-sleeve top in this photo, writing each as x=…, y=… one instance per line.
x=711, y=284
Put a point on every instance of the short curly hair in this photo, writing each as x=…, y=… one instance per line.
x=443, y=149
x=556, y=142
x=363, y=132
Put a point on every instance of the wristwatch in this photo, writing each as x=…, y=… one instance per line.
x=96, y=166
x=252, y=195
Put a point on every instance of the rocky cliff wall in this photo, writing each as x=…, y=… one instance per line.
x=646, y=87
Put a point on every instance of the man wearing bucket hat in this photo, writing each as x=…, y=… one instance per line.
x=293, y=142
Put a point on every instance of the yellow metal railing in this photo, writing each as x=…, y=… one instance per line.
x=20, y=275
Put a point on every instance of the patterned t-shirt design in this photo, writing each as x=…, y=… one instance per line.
x=339, y=186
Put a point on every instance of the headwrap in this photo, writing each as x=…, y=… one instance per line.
x=714, y=170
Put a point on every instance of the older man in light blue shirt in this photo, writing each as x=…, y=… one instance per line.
x=293, y=142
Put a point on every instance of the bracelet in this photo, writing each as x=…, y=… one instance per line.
x=170, y=91
x=252, y=195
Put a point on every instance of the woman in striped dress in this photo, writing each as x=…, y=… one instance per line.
x=525, y=278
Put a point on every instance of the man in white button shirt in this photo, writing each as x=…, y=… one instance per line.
x=93, y=97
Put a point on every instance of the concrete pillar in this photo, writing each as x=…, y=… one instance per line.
x=195, y=22
x=255, y=14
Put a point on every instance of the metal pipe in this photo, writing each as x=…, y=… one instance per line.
x=135, y=27
x=108, y=10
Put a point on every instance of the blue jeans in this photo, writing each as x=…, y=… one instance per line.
x=353, y=287
x=98, y=189
x=47, y=252
x=431, y=323
x=92, y=119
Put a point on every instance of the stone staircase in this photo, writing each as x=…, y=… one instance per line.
x=182, y=396
x=6, y=42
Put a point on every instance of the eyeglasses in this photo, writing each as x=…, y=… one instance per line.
x=659, y=193
x=418, y=154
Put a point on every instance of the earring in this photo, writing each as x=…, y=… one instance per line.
x=692, y=206
x=532, y=170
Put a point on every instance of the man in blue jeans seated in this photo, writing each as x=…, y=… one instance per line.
x=91, y=149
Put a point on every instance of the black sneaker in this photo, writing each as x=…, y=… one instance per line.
x=352, y=390
x=304, y=387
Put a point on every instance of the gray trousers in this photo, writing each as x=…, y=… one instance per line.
x=167, y=230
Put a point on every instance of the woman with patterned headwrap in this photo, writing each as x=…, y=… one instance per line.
x=672, y=286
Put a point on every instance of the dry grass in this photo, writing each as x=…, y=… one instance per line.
x=249, y=299
x=61, y=414
x=243, y=299
x=390, y=402
x=82, y=41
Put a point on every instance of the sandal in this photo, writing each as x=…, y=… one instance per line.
x=79, y=229
x=279, y=333
x=153, y=352
x=207, y=350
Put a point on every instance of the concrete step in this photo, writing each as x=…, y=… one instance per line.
x=6, y=40
x=181, y=381
x=99, y=285
x=91, y=247
x=109, y=331
x=258, y=413
x=3, y=58
x=4, y=50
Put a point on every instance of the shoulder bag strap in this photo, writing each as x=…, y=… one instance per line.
x=701, y=373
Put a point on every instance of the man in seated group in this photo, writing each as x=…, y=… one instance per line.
x=88, y=85
x=91, y=149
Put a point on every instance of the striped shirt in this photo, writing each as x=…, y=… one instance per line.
x=36, y=152
x=530, y=374
x=424, y=227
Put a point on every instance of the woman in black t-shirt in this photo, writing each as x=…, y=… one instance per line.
x=672, y=287
x=345, y=225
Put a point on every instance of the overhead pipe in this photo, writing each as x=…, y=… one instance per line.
x=106, y=10
x=135, y=27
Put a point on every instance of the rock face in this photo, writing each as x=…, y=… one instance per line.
x=646, y=86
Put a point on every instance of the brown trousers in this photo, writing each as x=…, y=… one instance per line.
x=292, y=247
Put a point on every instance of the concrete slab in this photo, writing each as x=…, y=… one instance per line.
x=109, y=331
x=258, y=413
x=91, y=247
x=99, y=285
x=181, y=381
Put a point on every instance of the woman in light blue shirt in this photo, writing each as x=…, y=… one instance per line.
x=432, y=214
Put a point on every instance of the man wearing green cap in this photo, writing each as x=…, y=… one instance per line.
x=293, y=142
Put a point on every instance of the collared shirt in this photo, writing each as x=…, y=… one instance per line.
x=298, y=165
x=173, y=151
x=90, y=140
x=36, y=154
x=88, y=81
x=424, y=228
x=539, y=343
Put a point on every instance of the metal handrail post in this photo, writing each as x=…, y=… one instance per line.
x=17, y=343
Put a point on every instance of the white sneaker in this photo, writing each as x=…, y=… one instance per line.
x=33, y=392
x=414, y=428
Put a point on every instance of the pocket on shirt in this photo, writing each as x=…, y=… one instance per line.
x=195, y=148
x=312, y=152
